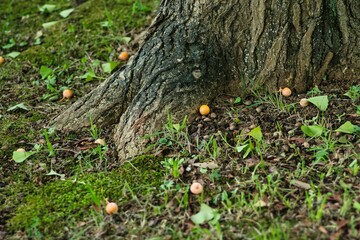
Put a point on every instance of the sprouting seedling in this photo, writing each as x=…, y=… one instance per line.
x=256, y=133
x=48, y=143
x=21, y=154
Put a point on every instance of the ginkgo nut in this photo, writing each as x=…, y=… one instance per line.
x=68, y=93
x=123, y=56
x=111, y=208
x=286, y=92
x=196, y=188
x=204, y=110
x=304, y=102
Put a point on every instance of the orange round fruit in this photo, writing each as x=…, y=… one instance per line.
x=111, y=208
x=196, y=188
x=123, y=56
x=286, y=92
x=204, y=110
x=2, y=60
x=68, y=93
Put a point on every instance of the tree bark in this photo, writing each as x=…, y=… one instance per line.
x=198, y=49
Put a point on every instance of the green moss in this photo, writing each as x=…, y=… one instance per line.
x=59, y=204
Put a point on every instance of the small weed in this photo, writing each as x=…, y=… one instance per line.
x=314, y=91
x=173, y=165
x=47, y=134
x=174, y=136
x=94, y=131
x=353, y=93
x=252, y=143
x=275, y=100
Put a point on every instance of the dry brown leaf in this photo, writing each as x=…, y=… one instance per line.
x=80, y=224
x=298, y=139
x=209, y=165
x=261, y=203
x=342, y=223
x=323, y=230
x=300, y=184
x=250, y=162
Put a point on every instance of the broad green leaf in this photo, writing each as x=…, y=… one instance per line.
x=13, y=54
x=47, y=7
x=108, y=67
x=256, y=133
x=205, y=214
x=49, y=24
x=312, y=131
x=348, y=127
x=89, y=75
x=18, y=106
x=237, y=100
x=66, y=13
x=322, y=102
x=45, y=71
x=19, y=157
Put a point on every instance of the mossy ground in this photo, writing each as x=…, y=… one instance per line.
x=58, y=205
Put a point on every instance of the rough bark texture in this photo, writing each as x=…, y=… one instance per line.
x=197, y=49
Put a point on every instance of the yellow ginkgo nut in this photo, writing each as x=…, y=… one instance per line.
x=286, y=92
x=111, y=208
x=204, y=110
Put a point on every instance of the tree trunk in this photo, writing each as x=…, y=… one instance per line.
x=198, y=49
